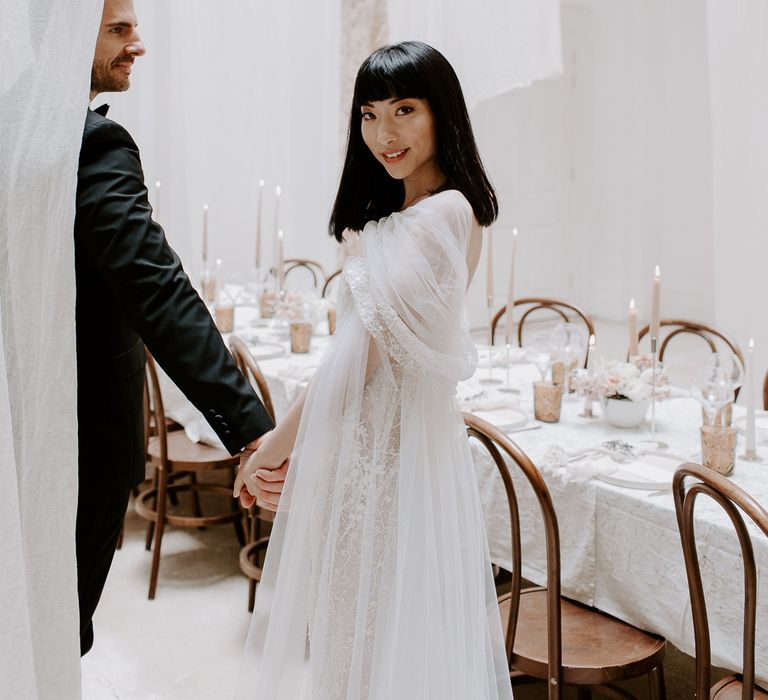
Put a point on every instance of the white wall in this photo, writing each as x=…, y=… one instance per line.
x=606, y=171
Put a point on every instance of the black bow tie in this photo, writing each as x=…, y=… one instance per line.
x=102, y=110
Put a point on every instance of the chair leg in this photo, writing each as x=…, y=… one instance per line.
x=251, y=594
x=160, y=525
x=658, y=690
x=195, y=497
x=239, y=532
x=151, y=525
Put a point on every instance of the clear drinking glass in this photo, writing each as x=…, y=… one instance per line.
x=712, y=387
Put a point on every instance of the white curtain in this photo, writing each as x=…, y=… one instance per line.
x=738, y=66
x=46, y=50
x=230, y=93
x=494, y=46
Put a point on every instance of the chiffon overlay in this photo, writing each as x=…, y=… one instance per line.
x=377, y=582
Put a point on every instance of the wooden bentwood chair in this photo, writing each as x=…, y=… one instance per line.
x=312, y=267
x=551, y=638
x=561, y=310
x=173, y=454
x=672, y=328
x=731, y=499
x=765, y=392
x=329, y=287
x=252, y=554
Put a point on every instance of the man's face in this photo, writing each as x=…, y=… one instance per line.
x=117, y=47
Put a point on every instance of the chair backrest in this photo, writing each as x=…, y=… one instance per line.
x=569, y=313
x=314, y=268
x=153, y=406
x=330, y=284
x=765, y=392
x=732, y=499
x=672, y=328
x=503, y=451
x=247, y=364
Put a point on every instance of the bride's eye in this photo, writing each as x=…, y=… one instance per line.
x=368, y=116
x=404, y=109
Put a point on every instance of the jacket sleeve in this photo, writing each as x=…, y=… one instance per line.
x=132, y=255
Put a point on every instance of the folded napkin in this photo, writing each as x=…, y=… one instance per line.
x=555, y=464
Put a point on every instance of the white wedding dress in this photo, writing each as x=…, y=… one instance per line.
x=377, y=583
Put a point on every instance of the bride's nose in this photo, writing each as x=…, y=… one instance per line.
x=386, y=134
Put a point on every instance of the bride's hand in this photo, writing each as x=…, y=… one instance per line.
x=269, y=485
x=259, y=478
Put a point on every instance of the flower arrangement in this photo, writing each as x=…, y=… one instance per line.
x=627, y=381
x=294, y=306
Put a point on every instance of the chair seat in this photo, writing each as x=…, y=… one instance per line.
x=184, y=454
x=730, y=688
x=597, y=648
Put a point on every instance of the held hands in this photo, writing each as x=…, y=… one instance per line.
x=258, y=479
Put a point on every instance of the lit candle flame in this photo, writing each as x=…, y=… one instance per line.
x=278, y=190
x=261, y=183
x=157, y=184
x=751, y=344
x=632, y=305
x=592, y=340
x=658, y=271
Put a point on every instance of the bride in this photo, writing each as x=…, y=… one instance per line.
x=377, y=582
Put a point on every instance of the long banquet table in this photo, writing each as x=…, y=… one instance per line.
x=620, y=548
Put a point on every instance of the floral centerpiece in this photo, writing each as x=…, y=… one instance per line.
x=629, y=383
x=297, y=306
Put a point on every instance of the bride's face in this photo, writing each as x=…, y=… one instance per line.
x=401, y=135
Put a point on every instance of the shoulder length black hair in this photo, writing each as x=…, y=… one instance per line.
x=416, y=70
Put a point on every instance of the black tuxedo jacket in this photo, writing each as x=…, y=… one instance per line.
x=132, y=290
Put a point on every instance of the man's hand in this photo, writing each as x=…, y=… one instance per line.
x=246, y=500
x=258, y=479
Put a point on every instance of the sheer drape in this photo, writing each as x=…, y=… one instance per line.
x=47, y=47
x=230, y=93
x=493, y=46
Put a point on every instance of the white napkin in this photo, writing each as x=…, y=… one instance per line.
x=555, y=464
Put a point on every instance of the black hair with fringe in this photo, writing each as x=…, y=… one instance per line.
x=416, y=70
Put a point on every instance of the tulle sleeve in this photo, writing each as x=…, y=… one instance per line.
x=409, y=285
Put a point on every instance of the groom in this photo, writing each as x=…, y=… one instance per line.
x=132, y=290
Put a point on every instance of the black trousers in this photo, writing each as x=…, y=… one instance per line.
x=100, y=513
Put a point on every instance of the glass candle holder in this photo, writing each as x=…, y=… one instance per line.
x=718, y=448
x=546, y=401
x=301, y=334
x=224, y=315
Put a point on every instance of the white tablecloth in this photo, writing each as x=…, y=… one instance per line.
x=620, y=548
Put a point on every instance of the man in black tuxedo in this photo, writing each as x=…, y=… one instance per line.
x=132, y=290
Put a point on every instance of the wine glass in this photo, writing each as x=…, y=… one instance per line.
x=539, y=351
x=713, y=389
x=731, y=366
x=570, y=342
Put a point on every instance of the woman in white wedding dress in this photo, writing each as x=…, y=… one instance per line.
x=377, y=583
